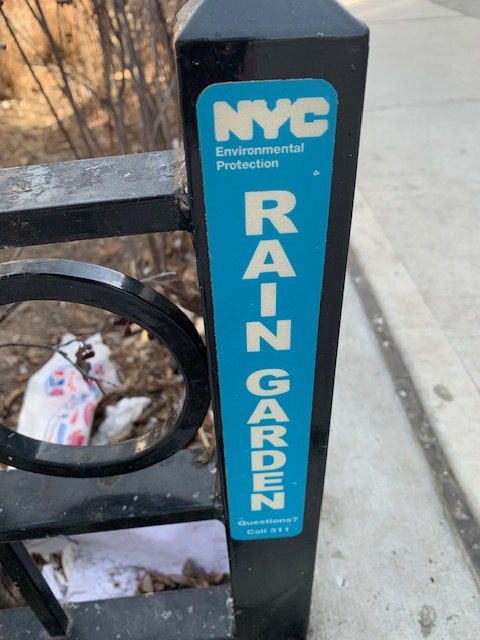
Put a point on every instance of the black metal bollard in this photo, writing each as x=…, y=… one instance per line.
x=272, y=94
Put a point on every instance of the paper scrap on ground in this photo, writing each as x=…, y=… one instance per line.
x=110, y=564
x=119, y=420
x=59, y=407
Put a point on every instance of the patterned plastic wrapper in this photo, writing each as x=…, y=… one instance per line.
x=61, y=397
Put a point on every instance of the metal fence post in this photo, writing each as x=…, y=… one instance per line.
x=16, y=560
x=272, y=94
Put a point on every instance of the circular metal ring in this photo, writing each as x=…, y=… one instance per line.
x=97, y=286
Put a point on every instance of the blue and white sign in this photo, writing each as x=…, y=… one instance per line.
x=267, y=154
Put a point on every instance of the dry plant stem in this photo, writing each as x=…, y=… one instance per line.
x=136, y=71
x=118, y=125
x=162, y=96
x=87, y=135
x=135, y=266
x=85, y=375
x=85, y=81
x=158, y=249
x=24, y=56
x=9, y=310
x=159, y=277
x=10, y=596
x=118, y=105
x=65, y=87
x=129, y=48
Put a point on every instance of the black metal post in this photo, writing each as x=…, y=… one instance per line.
x=17, y=562
x=272, y=95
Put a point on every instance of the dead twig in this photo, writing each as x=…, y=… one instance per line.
x=9, y=310
x=39, y=85
x=158, y=251
x=84, y=352
x=88, y=136
x=159, y=277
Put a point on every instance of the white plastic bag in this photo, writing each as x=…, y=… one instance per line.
x=59, y=404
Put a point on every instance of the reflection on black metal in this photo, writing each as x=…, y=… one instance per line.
x=221, y=41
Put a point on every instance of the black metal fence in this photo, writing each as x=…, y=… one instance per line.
x=271, y=97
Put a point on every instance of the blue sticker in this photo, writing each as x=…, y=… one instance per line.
x=267, y=155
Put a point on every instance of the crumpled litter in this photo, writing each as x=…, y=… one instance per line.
x=59, y=406
x=110, y=564
x=59, y=403
x=119, y=420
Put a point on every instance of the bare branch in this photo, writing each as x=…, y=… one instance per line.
x=39, y=85
x=53, y=349
x=87, y=135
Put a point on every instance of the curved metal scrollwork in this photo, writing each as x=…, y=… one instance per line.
x=112, y=291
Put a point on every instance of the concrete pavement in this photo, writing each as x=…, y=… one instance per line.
x=389, y=566
x=420, y=156
x=418, y=204
x=399, y=550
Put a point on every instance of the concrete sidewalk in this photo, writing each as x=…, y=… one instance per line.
x=389, y=566
x=399, y=551
x=416, y=232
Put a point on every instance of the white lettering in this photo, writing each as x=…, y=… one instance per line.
x=256, y=212
x=270, y=121
x=268, y=409
x=276, y=502
x=271, y=434
x=270, y=481
x=268, y=299
x=268, y=460
x=280, y=341
x=228, y=120
x=306, y=115
x=313, y=128
x=279, y=264
x=276, y=387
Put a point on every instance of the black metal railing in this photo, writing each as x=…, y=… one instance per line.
x=70, y=490
x=68, y=481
